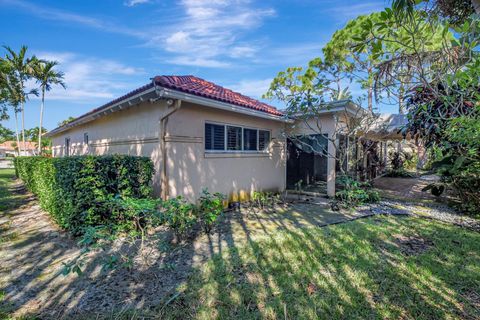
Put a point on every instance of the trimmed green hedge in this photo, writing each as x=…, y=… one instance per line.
x=77, y=191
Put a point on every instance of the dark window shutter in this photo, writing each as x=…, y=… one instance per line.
x=263, y=139
x=234, y=138
x=250, y=139
x=214, y=137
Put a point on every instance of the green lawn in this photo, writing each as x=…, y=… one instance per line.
x=376, y=268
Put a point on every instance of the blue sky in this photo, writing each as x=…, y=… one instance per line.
x=107, y=48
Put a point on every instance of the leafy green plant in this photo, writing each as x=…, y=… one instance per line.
x=180, y=216
x=210, y=207
x=135, y=214
x=354, y=193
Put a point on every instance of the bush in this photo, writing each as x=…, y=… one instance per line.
x=78, y=191
x=355, y=193
x=132, y=214
x=179, y=216
x=210, y=207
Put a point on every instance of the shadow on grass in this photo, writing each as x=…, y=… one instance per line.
x=278, y=264
x=353, y=270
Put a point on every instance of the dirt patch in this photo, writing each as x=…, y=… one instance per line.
x=412, y=245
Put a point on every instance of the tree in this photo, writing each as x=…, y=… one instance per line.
x=303, y=91
x=46, y=76
x=66, y=121
x=21, y=69
x=358, y=63
x=32, y=135
x=441, y=78
x=11, y=92
x=6, y=134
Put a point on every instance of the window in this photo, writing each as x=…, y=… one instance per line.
x=234, y=138
x=227, y=138
x=250, y=139
x=214, y=137
x=85, y=138
x=67, y=147
x=263, y=140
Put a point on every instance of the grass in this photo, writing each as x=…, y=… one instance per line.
x=8, y=199
x=376, y=268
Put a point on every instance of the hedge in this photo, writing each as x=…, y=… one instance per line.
x=77, y=191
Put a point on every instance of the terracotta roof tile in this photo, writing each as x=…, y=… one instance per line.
x=200, y=87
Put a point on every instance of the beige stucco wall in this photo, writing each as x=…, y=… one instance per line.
x=135, y=131
x=190, y=168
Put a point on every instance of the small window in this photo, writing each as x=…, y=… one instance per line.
x=67, y=147
x=234, y=138
x=214, y=137
x=263, y=140
x=250, y=139
x=85, y=138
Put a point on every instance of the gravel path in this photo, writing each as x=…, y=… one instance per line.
x=435, y=211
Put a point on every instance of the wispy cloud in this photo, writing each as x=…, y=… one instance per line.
x=132, y=3
x=348, y=11
x=254, y=88
x=209, y=31
x=49, y=13
x=204, y=33
x=89, y=78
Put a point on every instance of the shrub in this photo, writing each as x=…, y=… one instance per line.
x=210, y=207
x=77, y=191
x=179, y=216
x=355, y=193
x=135, y=214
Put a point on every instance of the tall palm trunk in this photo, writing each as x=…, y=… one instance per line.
x=23, y=129
x=16, y=133
x=41, y=121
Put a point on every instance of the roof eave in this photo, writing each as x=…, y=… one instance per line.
x=175, y=94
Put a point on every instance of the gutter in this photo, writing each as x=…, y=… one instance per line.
x=163, y=147
x=161, y=92
x=174, y=94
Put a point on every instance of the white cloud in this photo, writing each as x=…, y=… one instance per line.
x=198, y=62
x=89, y=79
x=252, y=88
x=208, y=32
x=132, y=3
x=347, y=12
x=204, y=33
x=243, y=51
x=54, y=14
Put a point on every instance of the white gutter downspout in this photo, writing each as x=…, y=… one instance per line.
x=163, y=149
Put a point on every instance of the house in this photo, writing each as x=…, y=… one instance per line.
x=9, y=148
x=200, y=135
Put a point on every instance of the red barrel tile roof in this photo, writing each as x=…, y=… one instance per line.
x=200, y=87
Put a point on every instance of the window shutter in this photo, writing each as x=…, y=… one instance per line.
x=263, y=139
x=250, y=139
x=214, y=137
x=234, y=138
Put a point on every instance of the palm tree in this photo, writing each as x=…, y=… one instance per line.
x=22, y=69
x=10, y=92
x=46, y=76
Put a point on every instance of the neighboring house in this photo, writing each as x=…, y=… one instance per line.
x=199, y=135
x=9, y=148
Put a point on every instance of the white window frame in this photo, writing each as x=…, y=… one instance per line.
x=225, y=150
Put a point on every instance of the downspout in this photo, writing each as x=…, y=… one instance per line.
x=163, y=147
